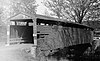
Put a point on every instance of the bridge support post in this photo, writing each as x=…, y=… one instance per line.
x=8, y=34
x=34, y=47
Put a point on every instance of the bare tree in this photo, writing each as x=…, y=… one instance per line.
x=46, y=12
x=75, y=10
x=24, y=6
x=1, y=14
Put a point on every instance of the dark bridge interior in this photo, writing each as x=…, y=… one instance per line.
x=22, y=31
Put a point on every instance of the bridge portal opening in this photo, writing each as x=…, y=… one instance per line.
x=21, y=30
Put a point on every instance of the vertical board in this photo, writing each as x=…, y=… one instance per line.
x=64, y=36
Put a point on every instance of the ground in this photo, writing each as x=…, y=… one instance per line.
x=16, y=53
x=21, y=52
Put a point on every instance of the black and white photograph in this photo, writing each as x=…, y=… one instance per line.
x=49, y=30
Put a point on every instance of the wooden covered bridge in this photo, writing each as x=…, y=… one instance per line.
x=49, y=33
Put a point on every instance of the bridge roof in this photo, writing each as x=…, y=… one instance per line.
x=55, y=21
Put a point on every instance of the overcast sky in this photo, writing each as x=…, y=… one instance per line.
x=41, y=8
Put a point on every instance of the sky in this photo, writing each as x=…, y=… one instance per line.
x=41, y=8
x=4, y=3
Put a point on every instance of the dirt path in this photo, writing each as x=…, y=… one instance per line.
x=15, y=53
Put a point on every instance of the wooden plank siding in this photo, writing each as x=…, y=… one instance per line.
x=63, y=36
x=59, y=37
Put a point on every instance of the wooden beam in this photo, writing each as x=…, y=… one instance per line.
x=8, y=35
x=35, y=31
x=34, y=47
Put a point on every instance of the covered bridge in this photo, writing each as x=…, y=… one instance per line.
x=50, y=33
x=49, y=28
